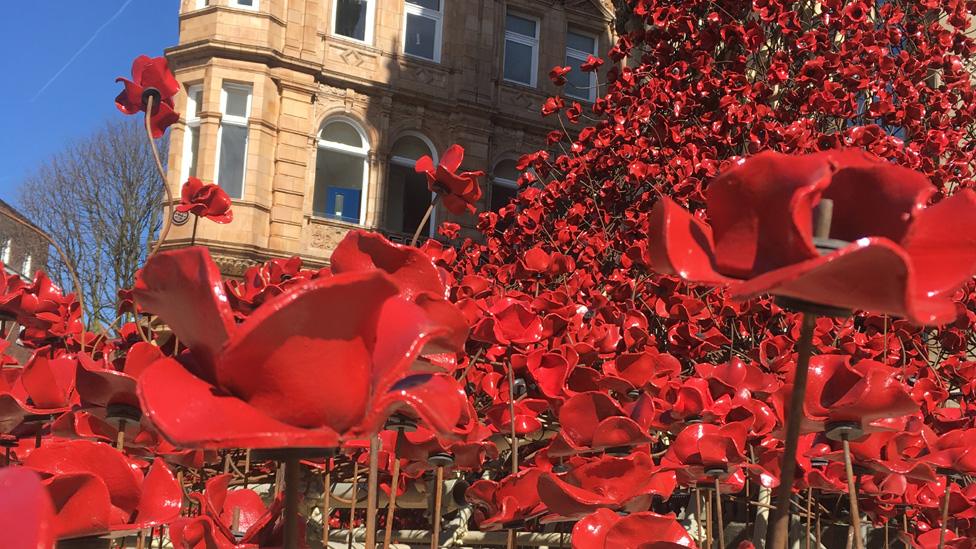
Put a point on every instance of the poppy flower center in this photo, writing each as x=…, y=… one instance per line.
x=154, y=93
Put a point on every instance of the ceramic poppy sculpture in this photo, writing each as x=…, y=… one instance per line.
x=885, y=249
x=26, y=511
x=150, y=76
x=458, y=191
x=97, y=489
x=605, y=529
x=269, y=382
x=507, y=503
x=205, y=200
x=618, y=483
x=230, y=519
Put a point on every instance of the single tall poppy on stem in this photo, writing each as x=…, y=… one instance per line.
x=151, y=91
x=824, y=233
x=458, y=191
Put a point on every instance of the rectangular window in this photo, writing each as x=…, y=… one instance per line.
x=5, y=252
x=202, y=3
x=521, y=49
x=423, y=29
x=28, y=264
x=354, y=19
x=246, y=4
x=579, y=84
x=235, y=108
x=339, y=185
x=191, y=139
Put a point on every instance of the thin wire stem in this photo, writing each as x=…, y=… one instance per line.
x=168, y=222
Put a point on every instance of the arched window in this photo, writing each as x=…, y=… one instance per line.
x=504, y=184
x=341, y=172
x=407, y=195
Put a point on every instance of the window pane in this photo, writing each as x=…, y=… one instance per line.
x=429, y=4
x=338, y=185
x=351, y=18
x=248, y=3
x=236, y=101
x=577, y=81
x=520, y=25
x=196, y=99
x=420, y=36
x=233, y=140
x=501, y=195
x=194, y=137
x=340, y=132
x=407, y=200
x=506, y=169
x=410, y=147
x=579, y=42
x=518, y=62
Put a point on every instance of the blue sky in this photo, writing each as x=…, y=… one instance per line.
x=48, y=99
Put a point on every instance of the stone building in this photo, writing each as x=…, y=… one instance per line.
x=310, y=113
x=22, y=250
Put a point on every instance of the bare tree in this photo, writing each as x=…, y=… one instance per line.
x=99, y=199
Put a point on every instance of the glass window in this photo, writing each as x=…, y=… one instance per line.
x=407, y=195
x=423, y=28
x=249, y=4
x=579, y=84
x=504, y=184
x=202, y=3
x=354, y=19
x=28, y=263
x=5, y=252
x=521, y=49
x=191, y=139
x=235, y=108
x=341, y=173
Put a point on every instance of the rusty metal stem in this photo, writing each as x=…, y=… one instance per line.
x=326, y=503
x=168, y=222
x=292, y=476
x=371, y=487
x=945, y=514
x=515, y=441
x=355, y=500
x=852, y=495
x=427, y=214
x=778, y=535
x=438, y=502
x=718, y=515
x=394, y=488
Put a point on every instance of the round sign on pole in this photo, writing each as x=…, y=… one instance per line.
x=180, y=218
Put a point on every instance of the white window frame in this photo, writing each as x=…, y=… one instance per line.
x=191, y=122
x=200, y=4
x=409, y=163
x=28, y=263
x=581, y=56
x=5, y=252
x=362, y=152
x=241, y=121
x=370, y=23
x=438, y=17
x=524, y=40
x=238, y=5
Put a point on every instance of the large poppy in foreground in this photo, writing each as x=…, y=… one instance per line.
x=885, y=252
x=328, y=359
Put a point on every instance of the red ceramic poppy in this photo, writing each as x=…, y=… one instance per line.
x=205, y=200
x=150, y=76
x=26, y=512
x=887, y=252
x=558, y=74
x=95, y=488
x=862, y=395
x=45, y=387
x=702, y=452
x=955, y=451
x=230, y=519
x=592, y=421
x=626, y=484
x=507, y=503
x=270, y=381
x=458, y=191
x=102, y=385
x=605, y=529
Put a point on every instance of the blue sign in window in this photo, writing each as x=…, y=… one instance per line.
x=343, y=204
